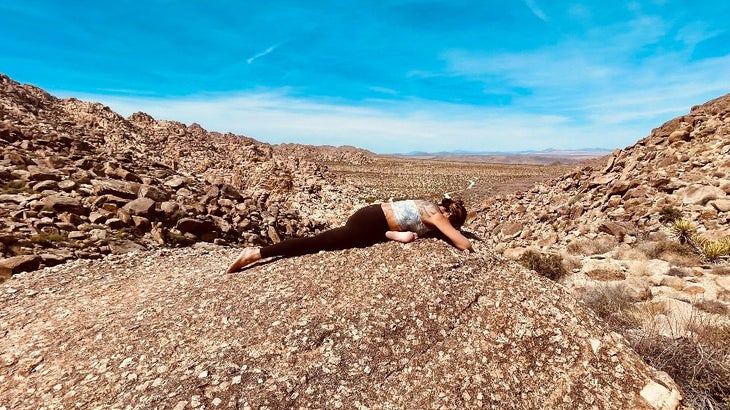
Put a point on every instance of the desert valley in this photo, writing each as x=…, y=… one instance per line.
x=596, y=284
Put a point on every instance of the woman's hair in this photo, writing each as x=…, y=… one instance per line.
x=457, y=210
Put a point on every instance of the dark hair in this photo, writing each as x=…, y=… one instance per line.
x=457, y=210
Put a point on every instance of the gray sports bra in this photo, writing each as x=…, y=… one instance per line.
x=407, y=217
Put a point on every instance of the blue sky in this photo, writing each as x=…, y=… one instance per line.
x=389, y=76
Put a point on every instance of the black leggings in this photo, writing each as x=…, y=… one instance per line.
x=367, y=226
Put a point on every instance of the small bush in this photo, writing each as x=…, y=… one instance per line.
x=548, y=265
x=669, y=214
x=612, y=303
x=697, y=361
x=673, y=252
x=711, y=306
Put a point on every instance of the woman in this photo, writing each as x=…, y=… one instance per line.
x=400, y=221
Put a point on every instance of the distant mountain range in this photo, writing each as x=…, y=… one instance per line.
x=549, y=151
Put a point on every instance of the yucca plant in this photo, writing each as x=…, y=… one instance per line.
x=684, y=229
x=713, y=250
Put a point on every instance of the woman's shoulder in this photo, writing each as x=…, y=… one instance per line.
x=426, y=208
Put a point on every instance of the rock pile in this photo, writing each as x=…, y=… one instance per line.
x=80, y=181
x=614, y=218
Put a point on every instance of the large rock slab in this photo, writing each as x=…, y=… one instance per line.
x=63, y=203
x=391, y=326
x=17, y=264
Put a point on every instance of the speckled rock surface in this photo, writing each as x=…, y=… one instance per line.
x=391, y=326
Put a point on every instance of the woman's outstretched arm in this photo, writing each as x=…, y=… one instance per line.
x=456, y=237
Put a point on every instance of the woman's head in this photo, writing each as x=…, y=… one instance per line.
x=456, y=211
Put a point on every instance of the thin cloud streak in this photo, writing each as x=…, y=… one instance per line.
x=263, y=53
x=537, y=11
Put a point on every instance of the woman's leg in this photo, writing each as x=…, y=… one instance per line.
x=365, y=227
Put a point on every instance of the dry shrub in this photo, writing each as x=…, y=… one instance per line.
x=612, y=303
x=672, y=252
x=697, y=361
x=606, y=274
x=597, y=246
x=548, y=265
x=669, y=213
x=680, y=272
x=721, y=270
x=711, y=306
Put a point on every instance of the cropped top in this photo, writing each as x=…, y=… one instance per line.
x=407, y=217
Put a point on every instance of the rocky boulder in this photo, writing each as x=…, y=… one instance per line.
x=391, y=326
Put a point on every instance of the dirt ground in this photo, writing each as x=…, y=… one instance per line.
x=400, y=178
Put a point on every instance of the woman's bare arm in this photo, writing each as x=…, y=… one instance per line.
x=430, y=214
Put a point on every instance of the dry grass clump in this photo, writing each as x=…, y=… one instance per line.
x=597, y=246
x=548, y=265
x=698, y=359
x=671, y=251
x=721, y=270
x=612, y=303
x=711, y=306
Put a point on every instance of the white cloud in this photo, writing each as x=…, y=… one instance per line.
x=383, y=126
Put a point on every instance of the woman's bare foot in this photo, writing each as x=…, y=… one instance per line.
x=403, y=237
x=247, y=257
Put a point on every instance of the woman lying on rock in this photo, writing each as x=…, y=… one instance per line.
x=400, y=221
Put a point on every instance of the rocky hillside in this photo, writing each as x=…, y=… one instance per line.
x=391, y=326
x=622, y=210
x=327, y=153
x=608, y=234
x=80, y=181
x=684, y=164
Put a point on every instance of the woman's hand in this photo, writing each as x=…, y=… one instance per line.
x=442, y=224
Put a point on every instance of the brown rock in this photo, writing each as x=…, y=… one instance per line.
x=141, y=207
x=63, y=203
x=154, y=193
x=722, y=205
x=169, y=208
x=195, y=226
x=141, y=223
x=113, y=187
x=511, y=229
x=16, y=264
x=43, y=174
x=699, y=194
x=176, y=182
x=67, y=185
